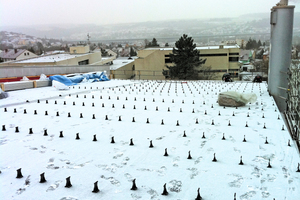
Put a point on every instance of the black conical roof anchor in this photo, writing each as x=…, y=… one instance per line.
x=42, y=180
x=45, y=132
x=223, y=138
x=30, y=131
x=61, y=134
x=241, y=161
x=131, y=142
x=203, y=136
x=95, y=138
x=266, y=142
x=77, y=136
x=289, y=143
x=133, y=120
x=69, y=114
x=96, y=189
x=106, y=117
x=198, y=195
x=269, y=164
x=189, y=156
x=298, y=169
x=68, y=182
x=19, y=173
x=214, y=159
x=244, y=140
x=133, y=185
x=162, y=122
x=3, y=128
x=151, y=145
x=166, y=152
x=165, y=192
x=120, y=118
x=112, y=140
x=184, y=135
x=177, y=124
x=147, y=121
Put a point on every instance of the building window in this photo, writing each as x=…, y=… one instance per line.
x=233, y=59
x=216, y=54
x=168, y=60
x=234, y=54
x=83, y=62
x=24, y=54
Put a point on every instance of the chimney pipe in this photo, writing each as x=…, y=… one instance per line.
x=16, y=50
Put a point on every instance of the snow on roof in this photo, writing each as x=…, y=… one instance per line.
x=120, y=62
x=12, y=53
x=50, y=58
x=100, y=111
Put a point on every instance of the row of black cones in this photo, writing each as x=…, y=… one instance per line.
x=131, y=140
x=133, y=187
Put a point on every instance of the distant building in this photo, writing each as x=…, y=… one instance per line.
x=221, y=59
x=16, y=54
x=80, y=55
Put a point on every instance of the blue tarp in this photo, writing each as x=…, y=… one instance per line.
x=68, y=81
x=62, y=79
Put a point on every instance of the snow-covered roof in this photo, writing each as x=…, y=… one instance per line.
x=106, y=109
x=120, y=62
x=11, y=53
x=50, y=58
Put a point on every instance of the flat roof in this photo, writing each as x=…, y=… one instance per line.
x=120, y=62
x=179, y=118
x=51, y=58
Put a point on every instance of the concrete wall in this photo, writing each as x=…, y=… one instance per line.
x=124, y=72
x=20, y=71
x=80, y=49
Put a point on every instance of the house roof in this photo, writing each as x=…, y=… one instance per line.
x=12, y=53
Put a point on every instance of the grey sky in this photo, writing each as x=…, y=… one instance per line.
x=35, y=12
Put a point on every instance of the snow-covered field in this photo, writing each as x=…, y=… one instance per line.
x=115, y=165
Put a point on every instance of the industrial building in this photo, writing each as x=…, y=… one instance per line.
x=220, y=59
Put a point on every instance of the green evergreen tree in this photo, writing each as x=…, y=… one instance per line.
x=259, y=44
x=186, y=58
x=154, y=43
x=132, y=52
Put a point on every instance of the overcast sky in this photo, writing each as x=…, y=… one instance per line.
x=36, y=12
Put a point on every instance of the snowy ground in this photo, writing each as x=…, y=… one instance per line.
x=115, y=165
